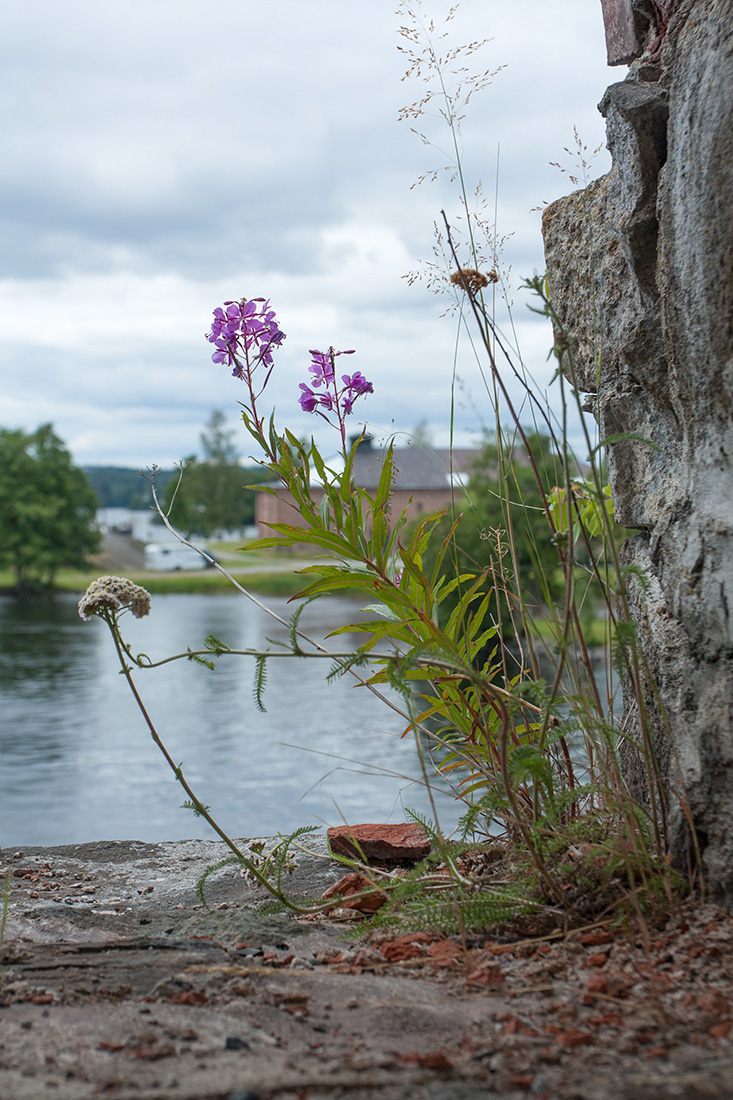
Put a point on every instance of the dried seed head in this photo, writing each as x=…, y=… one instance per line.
x=472, y=280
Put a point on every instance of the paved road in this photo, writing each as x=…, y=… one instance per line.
x=122, y=554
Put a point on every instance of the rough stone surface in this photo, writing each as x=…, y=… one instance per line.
x=116, y=981
x=640, y=267
x=381, y=843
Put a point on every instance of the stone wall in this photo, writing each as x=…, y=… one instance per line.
x=640, y=268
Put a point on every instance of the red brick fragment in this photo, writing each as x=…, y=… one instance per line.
x=490, y=977
x=513, y=1025
x=597, y=983
x=596, y=961
x=608, y=1019
x=596, y=938
x=430, y=1060
x=573, y=1038
x=397, y=951
x=409, y=946
x=356, y=883
x=388, y=843
x=189, y=997
x=713, y=1001
x=443, y=952
x=619, y=983
x=155, y=1053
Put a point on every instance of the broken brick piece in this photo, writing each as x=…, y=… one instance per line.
x=356, y=883
x=573, y=1038
x=398, y=951
x=388, y=843
x=597, y=983
x=491, y=977
x=596, y=938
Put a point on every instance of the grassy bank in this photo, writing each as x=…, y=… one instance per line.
x=267, y=583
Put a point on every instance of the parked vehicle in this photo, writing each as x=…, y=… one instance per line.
x=169, y=557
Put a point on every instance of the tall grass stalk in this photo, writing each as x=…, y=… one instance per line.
x=584, y=519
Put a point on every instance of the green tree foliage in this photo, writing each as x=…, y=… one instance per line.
x=47, y=508
x=123, y=487
x=212, y=495
x=503, y=531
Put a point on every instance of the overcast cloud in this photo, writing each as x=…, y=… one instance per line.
x=161, y=156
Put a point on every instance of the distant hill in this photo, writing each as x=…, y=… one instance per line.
x=120, y=487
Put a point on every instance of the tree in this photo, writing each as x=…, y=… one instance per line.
x=47, y=508
x=212, y=495
x=218, y=442
x=123, y=487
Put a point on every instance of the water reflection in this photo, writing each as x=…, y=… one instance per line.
x=78, y=764
x=39, y=643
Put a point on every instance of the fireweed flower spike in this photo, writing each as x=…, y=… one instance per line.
x=245, y=333
x=338, y=397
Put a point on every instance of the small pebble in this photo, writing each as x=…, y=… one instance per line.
x=235, y=1043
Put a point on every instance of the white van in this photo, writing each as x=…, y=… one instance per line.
x=168, y=557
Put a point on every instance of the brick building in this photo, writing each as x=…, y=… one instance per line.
x=425, y=481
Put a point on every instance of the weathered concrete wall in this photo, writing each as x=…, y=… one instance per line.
x=640, y=268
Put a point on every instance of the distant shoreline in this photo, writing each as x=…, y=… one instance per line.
x=273, y=582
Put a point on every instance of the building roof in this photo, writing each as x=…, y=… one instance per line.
x=416, y=467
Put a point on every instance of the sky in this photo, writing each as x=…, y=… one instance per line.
x=163, y=156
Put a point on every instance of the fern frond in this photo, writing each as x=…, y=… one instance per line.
x=258, y=689
x=210, y=871
x=198, y=659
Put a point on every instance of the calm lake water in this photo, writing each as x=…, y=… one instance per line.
x=77, y=762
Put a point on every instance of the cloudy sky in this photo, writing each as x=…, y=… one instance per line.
x=161, y=156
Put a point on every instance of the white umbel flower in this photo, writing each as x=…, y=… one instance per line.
x=114, y=593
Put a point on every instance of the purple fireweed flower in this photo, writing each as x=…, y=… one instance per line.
x=308, y=399
x=311, y=402
x=357, y=383
x=354, y=386
x=244, y=334
x=322, y=366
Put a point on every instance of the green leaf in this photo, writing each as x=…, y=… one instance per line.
x=384, y=610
